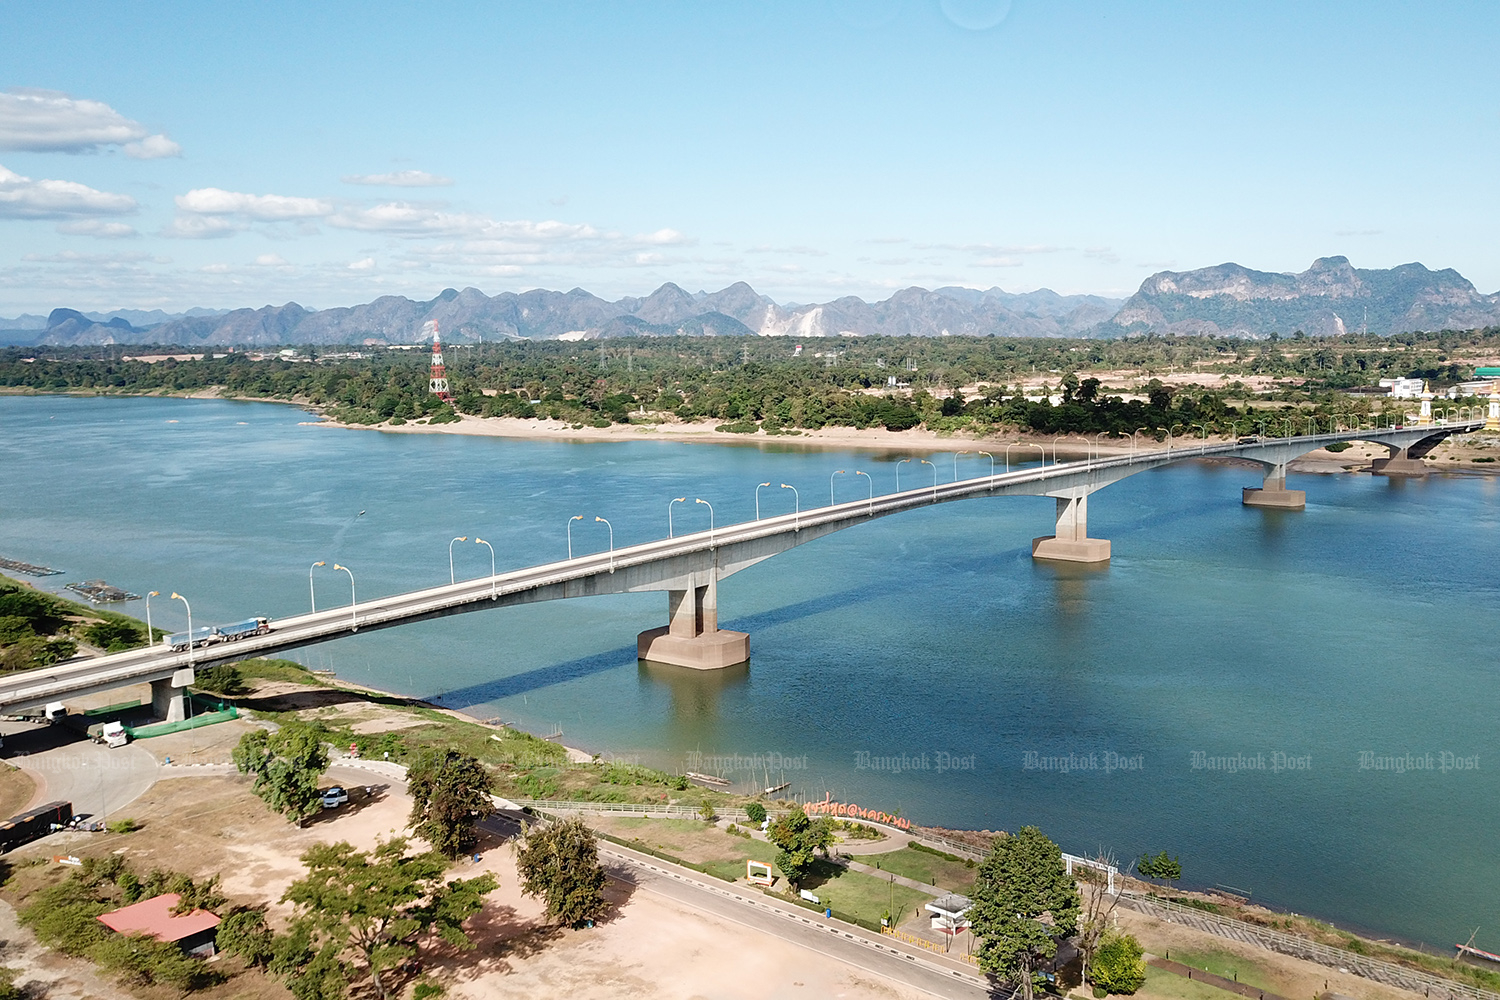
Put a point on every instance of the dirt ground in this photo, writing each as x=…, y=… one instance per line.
x=16, y=789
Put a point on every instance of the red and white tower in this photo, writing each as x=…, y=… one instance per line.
x=438, y=386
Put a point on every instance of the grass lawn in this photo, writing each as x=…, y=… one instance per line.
x=1164, y=985
x=1226, y=964
x=860, y=894
x=691, y=840
x=924, y=867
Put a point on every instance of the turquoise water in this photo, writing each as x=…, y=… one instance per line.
x=1363, y=624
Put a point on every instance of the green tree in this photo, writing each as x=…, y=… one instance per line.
x=222, y=678
x=1118, y=965
x=450, y=792
x=559, y=864
x=244, y=933
x=756, y=813
x=287, y=765
x=1024, y=903
x=375, y=904
x=798, y=839
x=1160, y=866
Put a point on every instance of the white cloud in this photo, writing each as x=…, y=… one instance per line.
x=365, y=264
x=401, y=178
x=199, y=227
x=272, y=260
x=998, y=262
x=215, y=268
x=258, y=207
x=24, y=198
x=98, y=229
x=672, y=238
x=46, y=121
x=153, y=147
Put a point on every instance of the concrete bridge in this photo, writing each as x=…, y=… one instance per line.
x=689, y=567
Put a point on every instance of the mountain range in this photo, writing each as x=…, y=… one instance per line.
x=1329, y=297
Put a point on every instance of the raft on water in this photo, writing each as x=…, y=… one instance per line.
x=99, y=592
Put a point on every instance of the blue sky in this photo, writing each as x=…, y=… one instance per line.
x=187, y=154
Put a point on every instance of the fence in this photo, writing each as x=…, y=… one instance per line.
x=1400, y=976
x=632, y=809
x=931, y=946
x=206, y=715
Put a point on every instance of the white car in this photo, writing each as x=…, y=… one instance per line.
x=335, y=797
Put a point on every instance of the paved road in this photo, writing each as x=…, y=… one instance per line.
x=869, y=955
x=67, y=765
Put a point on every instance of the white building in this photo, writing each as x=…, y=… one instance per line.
x=1403, y=388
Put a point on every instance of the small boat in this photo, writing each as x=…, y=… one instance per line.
x=1469, y=949
x=773, y=790
x=709, y=779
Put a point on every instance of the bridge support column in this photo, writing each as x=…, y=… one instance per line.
x=694, y=639
x=169, y=696
x=1274, y=493
x=1071, y=543
x=1399, y=463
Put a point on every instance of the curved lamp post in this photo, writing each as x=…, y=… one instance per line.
x=934, y=476
x=575, y=517
x=150, y=633
x=757, y=500
x=898, y=473
x=191, y=643
x=1018, y=444
x=494, y=584
x=1054, y=449
x=710, y=524
x=992, y=467
x=837, y=472
x=460, y=538
x=872, y=487
x=611, y=528
x=669, y=514
x=796, y=507
x=353, y=601
x=955, y=462
x=312, y=595
x=1132, y=440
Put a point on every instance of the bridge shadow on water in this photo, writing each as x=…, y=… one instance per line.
x=595, y=663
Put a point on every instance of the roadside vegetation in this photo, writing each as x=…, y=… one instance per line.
x=38, y=629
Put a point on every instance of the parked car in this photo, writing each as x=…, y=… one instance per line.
x=335, y=797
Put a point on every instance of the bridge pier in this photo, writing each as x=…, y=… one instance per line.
x=1399, y=463
x=694, y=639
x=1071, y=543
x=1273, y=492
x=169, y=696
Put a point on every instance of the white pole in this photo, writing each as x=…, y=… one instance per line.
x=150, y=632
x=669, y=514
x=191, y=640
x=460, y=538
x=796, y=507
x=575, y=517
x=494, y=584
x=710, y=523
x=611, y=528
x=353, y=599
x=757, y=500
x=872, y=486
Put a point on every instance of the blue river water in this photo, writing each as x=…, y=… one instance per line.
x=922, y=662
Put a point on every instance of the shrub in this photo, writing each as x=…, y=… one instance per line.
x=426, y=989
x=244, y=933
x=706, y=814
x=63, y=917
x=122, y=826
x=222, y=678
x=756, y=812
x=1118, y=966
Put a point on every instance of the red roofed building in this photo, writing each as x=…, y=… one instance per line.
x=192, y=931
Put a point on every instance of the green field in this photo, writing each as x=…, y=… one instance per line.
x=1164, y=985
x=861, y=895
x=1228, y=965
x=924, y=867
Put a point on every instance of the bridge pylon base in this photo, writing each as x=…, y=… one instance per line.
x=1257, y=496
x=1079, y=550
x=709, y=651
x=1398, y=466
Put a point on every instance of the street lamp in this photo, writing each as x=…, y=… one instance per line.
x=178, y=597
x=710, y=523
x=757, y=500
x=312, y=595
x=837, y=472
x=992, y=467
x=1018, y=444
x=353, y=601
x=934, y=476
x=955, y=462
x=796, y=507
x=1098, y=449
x=150, y=632
x=669, y=514
x=460, y=538
x=575, y=517
x=611, y=528
x=494, y=584
x=898, y=473
x=1203, y=446
x=872, y=487
x=1132, y=440
x=1064, y=437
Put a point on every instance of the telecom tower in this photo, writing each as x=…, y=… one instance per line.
x=438, y=386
